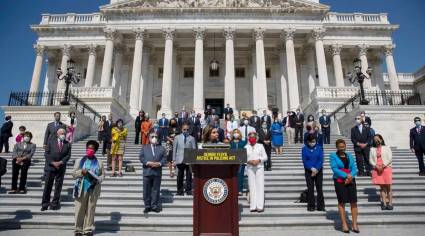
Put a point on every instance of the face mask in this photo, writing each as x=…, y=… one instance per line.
x=324, y=113
x=154, y=140
x=298, y=112
x=90, y=152
x=310, y=119
x=252, y=140
x=312, y=144
x=193, y=114
x=264, y=126
x=378, y=142
x=119, y=125
x=236, y=135
x=26, y=139
x=358, y=122
x=57, y=119
x=62, y=137
x=156, y=126
x=245, y=122
x=418, y=124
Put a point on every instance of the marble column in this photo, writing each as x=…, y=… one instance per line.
x=136, y=73
x=283, y=80
x=318, y=35
x=105, y=79
x=144, y=78
x=363, y=57
x=336, y=57
x=116, y=77
x=229, y=78
x=66, y=55
x=261, y=85
x=311, y=65
x=392, y=73
x=294, y=98
x=167, y=82
x=35, y=81
x=198, y=83
x=91, y=66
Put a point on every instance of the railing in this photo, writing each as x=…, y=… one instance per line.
x=51, y=99
x=356, y=18
x=385, y=98
x=402, y=77
x=72, y=18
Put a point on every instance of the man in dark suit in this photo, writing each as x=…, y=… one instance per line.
x=163, y=128
x=325, y=123
x=228, y=110
x=362, y=139
x=299, y=126
x=57, y=154
x=265, y=138
x=255, y=120
x=266, y=118
x=194, y=125
x=52, y=128
x=275, y=112
x=365, y=118
x=107, y=140
x=138, y=125
x=5, y=134
x=152, y=156
x=417, y=143
x=289, y=124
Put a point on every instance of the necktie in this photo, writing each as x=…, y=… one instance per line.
x=185, y=138
x=60, y=144
x=153, y=150
x=246, y=131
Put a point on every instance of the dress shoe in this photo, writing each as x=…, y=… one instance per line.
x=321, y=209
x=260, y=210
x=390, y=207
x=357, y=231
x=156, y=210
x=12, y=192
x=189, y=193
x=254, y=210
x=24, y=191
x=180, y=194
x=310, y=209
x=147, y=210
x=55, y=207
x=43, y=208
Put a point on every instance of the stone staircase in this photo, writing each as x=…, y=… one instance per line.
x=120, y=205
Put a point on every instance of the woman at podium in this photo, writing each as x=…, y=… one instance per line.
x=256, y=156
x=211, y=135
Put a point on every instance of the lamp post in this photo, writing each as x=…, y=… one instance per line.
x=359, y=76
x=69, y=78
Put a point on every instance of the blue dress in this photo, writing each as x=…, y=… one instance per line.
x=277, y=134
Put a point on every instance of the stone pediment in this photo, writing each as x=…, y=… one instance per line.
x=278, y=5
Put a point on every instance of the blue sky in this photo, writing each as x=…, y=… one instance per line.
x=17, y=54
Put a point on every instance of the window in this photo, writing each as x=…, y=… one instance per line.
x=188, y=72
x=268, y=73
x=160, y=72
x=240, y=72
x=215, y=73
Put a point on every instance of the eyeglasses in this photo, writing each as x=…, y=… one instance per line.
x=357, y=118
x=154, y=136
x=185, y=129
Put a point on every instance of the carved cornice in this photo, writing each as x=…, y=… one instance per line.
x=288, y=33
x=199, y=33
x=229, y=33
x=318, y=33
x=388, y=49
x=169, y=33
x=259, y=33
x=39, y=49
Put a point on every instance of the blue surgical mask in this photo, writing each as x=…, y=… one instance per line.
x=155, y=126
x=418, y=124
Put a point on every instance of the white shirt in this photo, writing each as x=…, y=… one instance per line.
x=242, y=129
x=256, y=152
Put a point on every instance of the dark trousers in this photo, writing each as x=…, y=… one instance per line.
x=183, y=168
x=15, y=173
x=136, y=139
x=326, y=135
x=268, y=163
x=420, y=155
x=56, y=177
x=106, y=144
x=299, y=134
x=362, y=161
x=151, y=191
x=4, y=141
x=311, y=182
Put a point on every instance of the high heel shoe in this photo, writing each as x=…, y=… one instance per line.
x=383, y=206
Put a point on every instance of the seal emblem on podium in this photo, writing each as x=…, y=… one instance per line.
x=215, y=191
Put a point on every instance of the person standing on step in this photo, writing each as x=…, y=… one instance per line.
x=163, y=128
x=299, y=126
x=267, y=119
x=228, y=110
x=256, y=156
x=365, y=118
x=237, y=143
x=52, y=128
x=119, y=137
x=21, y=161
x=182, y=141
x=5, y=134
x=152, y=156
x=265, y=138
x=245, y=129
x=20, y=136
x=255, y=120
x=275, y=112
x=362, y=140
x=277, y=136
x=57, y=153
x=312, y=157
x=194, y=125
x=107, y=140
x=71, y=125
x=289, y=124
x=155, y=129
x=417, y=143
x=344, y=175
x=230, y=125
x=138, y=125
x=146, y=127
x=381, y=159
x=325, y=122
x=314, y=129
x=88, y=173
x=100, y=129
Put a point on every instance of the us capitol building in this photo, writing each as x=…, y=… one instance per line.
x=162, y=55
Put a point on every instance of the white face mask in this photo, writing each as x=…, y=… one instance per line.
x=312, y=144
x=264, y=126
x=358, y=122
x=62, y=137
x=26, y=139
x=236, y=135
x=245, y=122
x=154, y=140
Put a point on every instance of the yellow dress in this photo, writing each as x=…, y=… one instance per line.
x=118, y=140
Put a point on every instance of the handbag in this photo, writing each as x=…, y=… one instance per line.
x=341, y=180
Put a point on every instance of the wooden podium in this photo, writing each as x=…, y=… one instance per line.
x=215, y=199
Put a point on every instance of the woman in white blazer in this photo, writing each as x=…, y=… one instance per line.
x=71, y=124
x=381, y=159
x=256, y=156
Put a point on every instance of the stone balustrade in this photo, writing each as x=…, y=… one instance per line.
x=356, y=18
x=93, y=92
x=402, y=77
x=72, y=18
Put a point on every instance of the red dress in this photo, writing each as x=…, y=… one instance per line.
x=386, y=176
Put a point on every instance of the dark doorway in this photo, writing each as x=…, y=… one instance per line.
x=217, y=104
